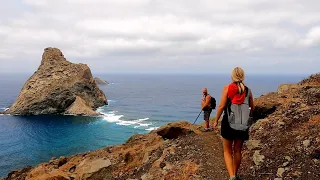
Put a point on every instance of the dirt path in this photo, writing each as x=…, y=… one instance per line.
x=215, y=166
x=205, y=150
x=213, y=162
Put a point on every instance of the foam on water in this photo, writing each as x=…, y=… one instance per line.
x=152, y=128
x=113, y=118
x=3, y=109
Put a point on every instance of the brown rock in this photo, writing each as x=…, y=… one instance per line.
x=253, y=144
x=285, y=88
x=100, y=81
x=280, y=172
x=56, y=178
x=79, y=107
x=174, y=130
x=88, y=168
x=257, y=158
x=57, y=85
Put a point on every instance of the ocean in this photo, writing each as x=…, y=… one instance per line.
x=138, y=103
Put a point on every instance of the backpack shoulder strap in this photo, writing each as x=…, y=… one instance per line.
x=248, y=92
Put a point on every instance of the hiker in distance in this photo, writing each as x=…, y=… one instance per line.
x=206, y=106
x=237, y=104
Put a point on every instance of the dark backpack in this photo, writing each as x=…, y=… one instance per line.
x=213, y=102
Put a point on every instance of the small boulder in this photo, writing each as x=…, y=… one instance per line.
x=281, y=124
x=257, y=158
x=288, y=158
x=306, y=143
x=89, y=167
x=253, y=144
x=280, y=172
x=285, y=164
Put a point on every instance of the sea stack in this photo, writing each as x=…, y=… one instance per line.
x=59, y=87
x=100, y=81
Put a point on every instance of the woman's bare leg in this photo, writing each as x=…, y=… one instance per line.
x=237, y=155
x=227, y=151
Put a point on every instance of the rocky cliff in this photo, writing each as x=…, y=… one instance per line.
x=284, y=144
x=59, y=87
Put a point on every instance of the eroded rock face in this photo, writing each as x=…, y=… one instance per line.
x=56, y=86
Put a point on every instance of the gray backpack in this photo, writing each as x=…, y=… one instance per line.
x=239, y=114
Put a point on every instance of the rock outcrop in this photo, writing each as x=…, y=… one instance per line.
x=100, y=81
x=59, y=87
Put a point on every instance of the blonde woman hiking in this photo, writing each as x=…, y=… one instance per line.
x=237, y=105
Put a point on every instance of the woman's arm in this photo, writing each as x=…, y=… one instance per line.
x=222, y=105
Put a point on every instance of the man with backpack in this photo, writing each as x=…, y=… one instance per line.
x=207, y=104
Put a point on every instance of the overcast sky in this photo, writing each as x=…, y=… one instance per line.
x=169, y=36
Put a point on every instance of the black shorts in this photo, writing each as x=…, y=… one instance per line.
x=206, y=114
x=231, y=134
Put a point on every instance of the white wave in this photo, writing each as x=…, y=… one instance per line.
x=125, y=123
x=113, y=118
x=152, y=128
x=2, y=110
x=143, y=119
x=144, y=125
x=137, y=122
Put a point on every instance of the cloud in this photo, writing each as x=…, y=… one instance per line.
x=312, y=38
x=143, y=32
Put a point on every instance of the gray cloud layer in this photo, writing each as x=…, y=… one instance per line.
x=262, y=36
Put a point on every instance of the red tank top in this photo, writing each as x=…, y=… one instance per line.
x=234, y=96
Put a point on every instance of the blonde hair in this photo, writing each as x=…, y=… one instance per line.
x=237, y=77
